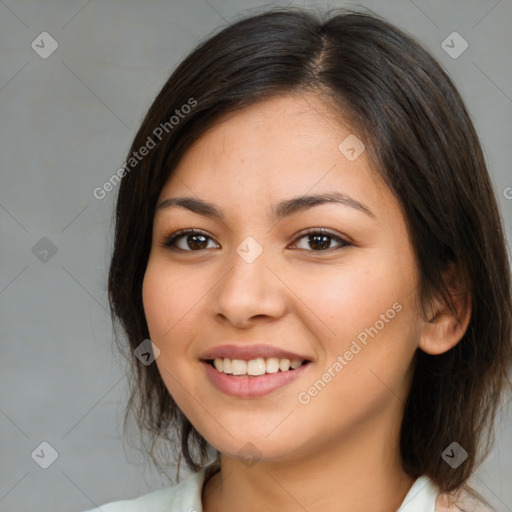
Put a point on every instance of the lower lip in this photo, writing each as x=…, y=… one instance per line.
x=246, y=387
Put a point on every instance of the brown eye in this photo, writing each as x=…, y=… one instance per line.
x=319, y=240
x=187, y=240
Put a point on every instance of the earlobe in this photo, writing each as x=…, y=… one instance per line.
x=444, y=328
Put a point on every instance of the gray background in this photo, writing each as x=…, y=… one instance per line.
x=66, y=125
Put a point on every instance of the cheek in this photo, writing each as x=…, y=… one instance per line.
x=370, y=303
x=352, y=298
x=156, y=300
x=169, y=298
x=371, y=326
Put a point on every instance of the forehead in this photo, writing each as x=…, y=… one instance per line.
x=278, y=147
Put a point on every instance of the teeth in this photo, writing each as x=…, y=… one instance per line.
x=238, y=367
x=272, y=365
x=284, y=365
x=258, y=366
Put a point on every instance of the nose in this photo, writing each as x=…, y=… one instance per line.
x=250, y=292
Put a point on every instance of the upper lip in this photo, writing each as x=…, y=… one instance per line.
x=247, y=352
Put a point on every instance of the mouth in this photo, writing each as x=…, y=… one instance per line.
x=255, y=367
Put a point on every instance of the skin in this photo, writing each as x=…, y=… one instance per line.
x=327, y=454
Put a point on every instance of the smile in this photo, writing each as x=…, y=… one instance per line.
x=255, y=367
x=254, y=377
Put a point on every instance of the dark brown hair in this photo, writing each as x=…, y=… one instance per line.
x=420, y=136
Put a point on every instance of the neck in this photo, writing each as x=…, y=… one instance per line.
x=359, y=474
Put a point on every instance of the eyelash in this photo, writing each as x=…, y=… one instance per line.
x=170, y=241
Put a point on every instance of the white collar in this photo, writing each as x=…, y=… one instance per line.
x=421, y=496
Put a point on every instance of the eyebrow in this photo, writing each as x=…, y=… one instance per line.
x=283, y=209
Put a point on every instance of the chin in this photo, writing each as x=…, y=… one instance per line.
x=251, y=449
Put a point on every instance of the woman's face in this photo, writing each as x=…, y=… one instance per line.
x=254, y=284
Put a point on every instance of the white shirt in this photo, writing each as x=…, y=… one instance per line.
x=186, y=496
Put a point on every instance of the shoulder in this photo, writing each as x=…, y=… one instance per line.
x=461, y=502
x=185, y=496
x=445, y=503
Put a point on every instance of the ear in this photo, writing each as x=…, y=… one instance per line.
x=443, y=328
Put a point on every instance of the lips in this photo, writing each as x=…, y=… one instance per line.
x=241, y=384
x=252, y=387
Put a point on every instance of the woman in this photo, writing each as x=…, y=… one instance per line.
x=307, y=233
